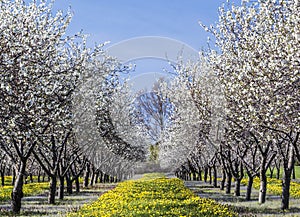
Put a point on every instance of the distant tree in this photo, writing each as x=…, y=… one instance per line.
x=153, y=111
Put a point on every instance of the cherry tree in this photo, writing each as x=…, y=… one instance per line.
x=40, y=68
x=103, y=120
x=114, y=120
x=152, y=112
x=259, y=68
x=197, y=117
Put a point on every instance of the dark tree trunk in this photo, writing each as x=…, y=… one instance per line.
x=31, y=178
x=2, y=178
x=101, y=177
x=222, y=183
x=77, y=184
x=215, y=182
x=294, y=173
x=228, y=183
x=278, y=172
x=210, y=175
x=13, y=178
x=205, y=174
x=39, y=176
x=271, y=172
x=286, y=181
x=52, y=189
x=263, y=185
x=237, y=187
x=96, y=177
x=43, y=179
x=92, y=178
x=86, y=175
x=285, y=197
x=194, y=176
x=69, y=184
x=17, y=193
x=200, y=175
x=249, y=188
x=61, y=188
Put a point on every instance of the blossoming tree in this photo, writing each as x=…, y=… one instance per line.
x=259, y=66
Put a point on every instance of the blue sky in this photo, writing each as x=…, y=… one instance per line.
x=116, y=20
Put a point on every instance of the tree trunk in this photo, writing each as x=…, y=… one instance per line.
x=61, y=188
x=210, y=175
x=52, y=189
x=263, y=183
x=286, y=181
x=43, y=179
x=101, y=177
x=222, y=184
x=92, y=178
x=205, y=174
x=200, y=175
x=215, y=183
x=31, y=178
x=13, y=178
x=249, y=187
x=77, y=184
x=39, y=176
x=17, y=193
x=285, y=196
x=228, y=183
x=2, y=178
x=271, y=172
x=278, y=172
x=69, y=185
x=96, y=177
x=194, y=176
x=86, y=175
x=294, y=173
x=237, y=187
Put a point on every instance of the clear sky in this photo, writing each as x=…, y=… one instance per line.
x=117, y=20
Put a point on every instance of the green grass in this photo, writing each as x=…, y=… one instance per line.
x=297, y=172
x=151, y=196
x=274, y=186
x=28, y=189
x=148, y=176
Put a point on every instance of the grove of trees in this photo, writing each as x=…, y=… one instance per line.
x=66, y=112
x=42, y=74
x=252, y=121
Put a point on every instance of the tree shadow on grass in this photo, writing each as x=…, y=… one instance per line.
x=4, y=212
x=253, y=211
x=240, y=204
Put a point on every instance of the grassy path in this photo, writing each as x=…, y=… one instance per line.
x=36, y=206
x=243, y=207
x=153, y=195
